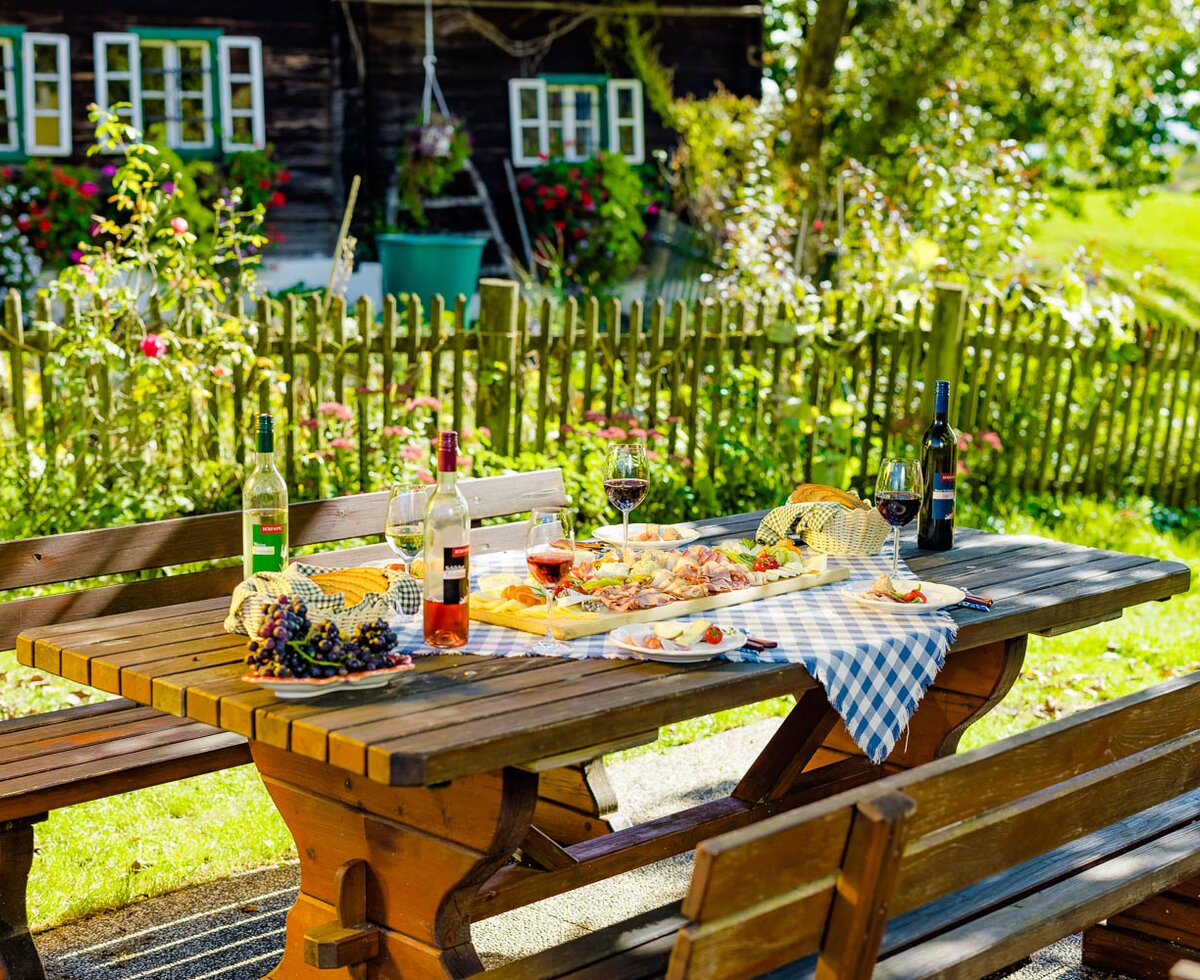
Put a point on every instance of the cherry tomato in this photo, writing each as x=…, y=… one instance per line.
x=916, y=595
x=764, y=563
x=713, y=634
x=653, y=643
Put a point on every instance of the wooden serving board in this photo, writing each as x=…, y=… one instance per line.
x=534, y=620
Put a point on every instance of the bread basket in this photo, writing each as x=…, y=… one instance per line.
x=828, y=520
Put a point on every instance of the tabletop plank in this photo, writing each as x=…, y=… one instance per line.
x=461, y=714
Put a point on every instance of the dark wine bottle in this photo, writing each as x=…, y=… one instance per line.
x=939, y=470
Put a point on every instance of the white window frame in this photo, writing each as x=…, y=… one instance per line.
x=517, y=86
x=228, y=78
x=570, y=122
x=61, y=76
x=101, y=42
x=10, y=142
x=617, y=122
x=173, y=94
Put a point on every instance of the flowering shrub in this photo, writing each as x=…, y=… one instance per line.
x=59, y=213
x=588, y=218
x=19, y=262
x=433, y=154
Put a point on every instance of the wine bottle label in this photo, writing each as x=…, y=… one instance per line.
x=943, y=496
x=454, y=575
x=266, y=548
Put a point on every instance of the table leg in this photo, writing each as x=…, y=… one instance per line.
x=577, y=803
x=427, y=850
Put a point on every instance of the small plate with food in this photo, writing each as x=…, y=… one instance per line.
x=302, y=688
x=688, y=641
x=644, y=536
x=906, y=596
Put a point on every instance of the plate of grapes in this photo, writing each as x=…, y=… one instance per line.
x=297, y=659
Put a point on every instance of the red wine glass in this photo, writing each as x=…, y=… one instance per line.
x=898, y=498
x=549, y=553
x=626, y=481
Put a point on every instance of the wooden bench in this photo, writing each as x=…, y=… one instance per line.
x=85, y=753
x=953, y=869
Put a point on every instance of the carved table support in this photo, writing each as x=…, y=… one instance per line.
x=18, y=958
x=426, y=852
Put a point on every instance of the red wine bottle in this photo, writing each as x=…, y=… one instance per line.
x=939, y=469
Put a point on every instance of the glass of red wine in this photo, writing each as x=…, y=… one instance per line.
x=626, y=480
x=898, y=498
x=549, y=553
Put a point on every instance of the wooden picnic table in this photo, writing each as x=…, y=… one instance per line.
x=407, y=806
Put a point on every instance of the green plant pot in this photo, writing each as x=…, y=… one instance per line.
x=429, y=264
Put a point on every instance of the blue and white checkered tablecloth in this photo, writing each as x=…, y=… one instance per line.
x=874, y=665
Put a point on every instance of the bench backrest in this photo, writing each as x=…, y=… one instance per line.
x=815, y=879
x=82, y=555
x=825, y=877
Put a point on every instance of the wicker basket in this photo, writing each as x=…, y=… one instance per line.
x=856, y=533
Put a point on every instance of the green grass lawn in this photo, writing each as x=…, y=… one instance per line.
x=114, y=851
x=1158, y=238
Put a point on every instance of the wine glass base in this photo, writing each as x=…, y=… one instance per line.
x=549, y=648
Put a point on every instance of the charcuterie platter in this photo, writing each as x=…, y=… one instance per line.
x=624, y=588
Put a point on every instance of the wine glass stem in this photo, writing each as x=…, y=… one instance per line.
x=624, y=530
x=895, y=551
x=549, y=611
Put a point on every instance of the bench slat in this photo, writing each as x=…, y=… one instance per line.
x=107, y=777
x=1005, y=936
x=87, y=714
x=72, y=732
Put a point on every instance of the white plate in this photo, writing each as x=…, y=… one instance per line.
x=938, y=596
x=299, y=688
x=612, y=534
x=623, y=636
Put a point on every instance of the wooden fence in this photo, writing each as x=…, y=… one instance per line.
x=1093, y=410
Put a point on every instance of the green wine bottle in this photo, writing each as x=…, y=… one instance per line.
x=264, y=508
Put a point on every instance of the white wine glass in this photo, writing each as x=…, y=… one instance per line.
x=404, y=527
x=550, y=553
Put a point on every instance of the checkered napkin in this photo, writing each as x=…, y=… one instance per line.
x=794, y=518
x=875, y=665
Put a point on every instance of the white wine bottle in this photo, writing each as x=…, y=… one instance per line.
x=264, y=508
x=447, y=538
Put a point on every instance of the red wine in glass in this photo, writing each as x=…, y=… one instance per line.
x=549, y=567
x=625, y=494
x=898, y=507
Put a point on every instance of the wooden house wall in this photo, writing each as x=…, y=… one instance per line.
x=301, y=84
x=474, y=74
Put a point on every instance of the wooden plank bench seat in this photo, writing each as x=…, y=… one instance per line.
x=84, y=753
x=954, y=869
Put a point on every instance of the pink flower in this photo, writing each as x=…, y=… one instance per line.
x=655, y=434
x=638, y=433
x=87, y=188
x=88, y=273
x=612, y=432
x=309, y=423
x=566, y=430
x=393, y=430
x=335, y=409
x=109, y=170
x=412, y=453
x=964, y=440
x=220, y=370
x=591, y=415
x=484, y=432
x=425, y=476
x=818, y=224
x=652, y=456
x=674, y=419
x=992, y=439
x=341, y=442
x=168, y=187
x=962, y=468
x=423, y=401
x=179, y=225
x=153, y=345
x=76, y=255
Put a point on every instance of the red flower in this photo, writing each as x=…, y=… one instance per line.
x=264, y=184
x=818, y=224
x=587, y=200
x=23, y=222
x=560, y=226
x=573, y=173
x=278, y=199
x=542, y=190
x=6, y=172
x=560, y=191
x=44, y=225
x=525, y=182
x=550, y=204
x=53, y=195
x=285, y=176
x=40, y=243
x=579, y=233
x=69, y=181
x=153, y=345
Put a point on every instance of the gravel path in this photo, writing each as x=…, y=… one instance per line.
x=233, y=929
